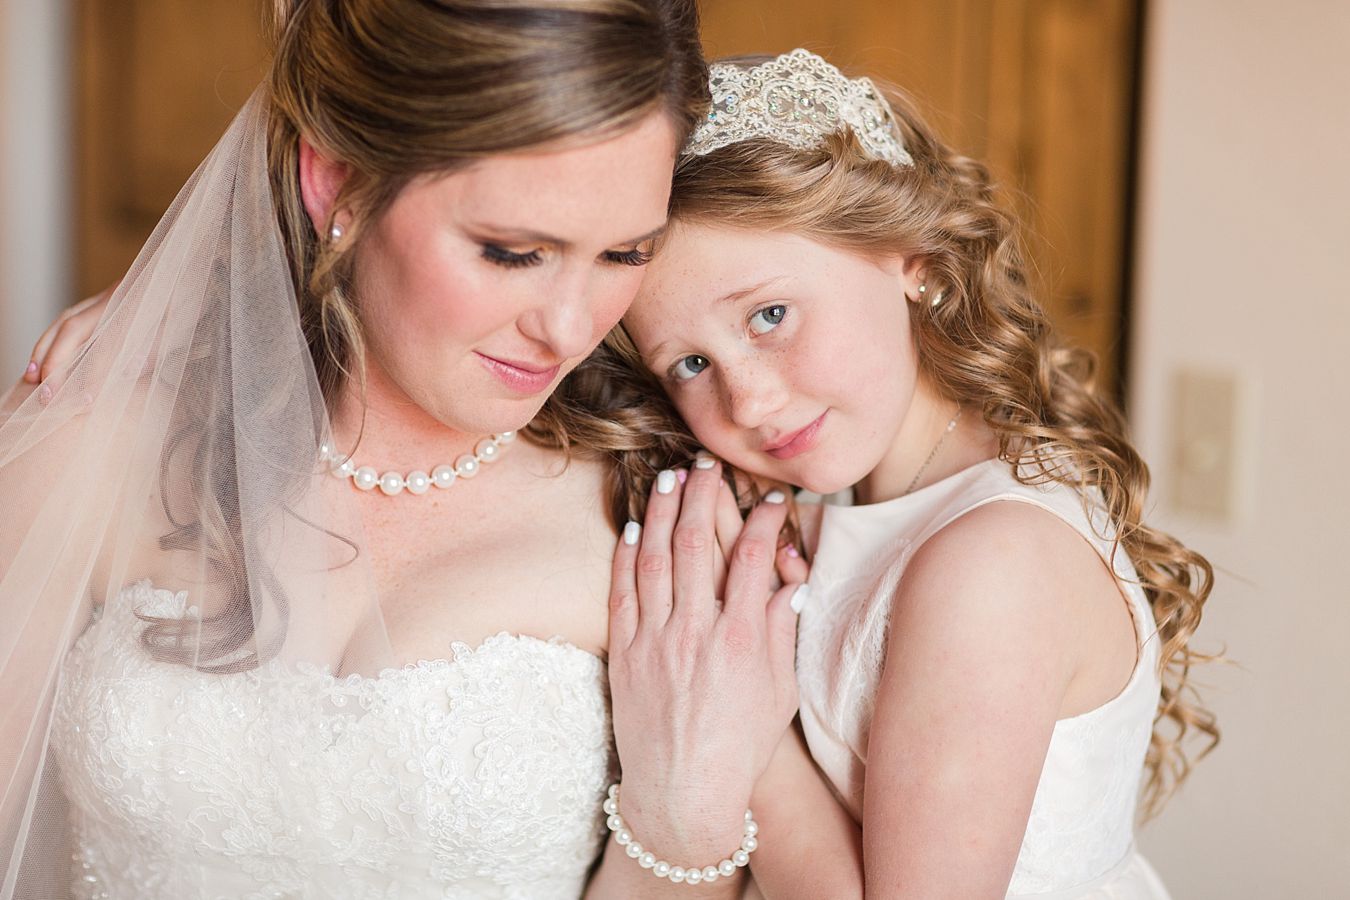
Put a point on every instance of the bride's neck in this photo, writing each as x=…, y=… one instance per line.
x=384, y=426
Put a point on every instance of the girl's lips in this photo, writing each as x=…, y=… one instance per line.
x=798, y=442
x=518, y=377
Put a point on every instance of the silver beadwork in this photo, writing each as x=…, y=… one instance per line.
x=796, y=99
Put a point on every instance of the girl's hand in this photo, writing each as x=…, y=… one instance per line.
x=63, y=338
x=702, y=691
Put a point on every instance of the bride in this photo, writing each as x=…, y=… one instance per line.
x=290, y=610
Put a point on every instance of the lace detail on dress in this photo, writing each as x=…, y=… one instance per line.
x=476, y=776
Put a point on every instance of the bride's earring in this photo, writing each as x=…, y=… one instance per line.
x=336, y=232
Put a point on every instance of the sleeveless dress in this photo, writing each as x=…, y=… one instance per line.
x=476, y=776
x=1079, y=841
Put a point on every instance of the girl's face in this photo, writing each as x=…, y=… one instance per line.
x=479, y=290
x=788, y=358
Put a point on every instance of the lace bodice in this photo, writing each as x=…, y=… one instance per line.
x=476, y=776
x=1079, y=837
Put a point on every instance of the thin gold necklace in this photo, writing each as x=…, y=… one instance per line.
x=951, y=426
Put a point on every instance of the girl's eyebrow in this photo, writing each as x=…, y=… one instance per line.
x=753, y=289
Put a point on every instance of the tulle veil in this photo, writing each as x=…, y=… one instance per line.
x=182, y=448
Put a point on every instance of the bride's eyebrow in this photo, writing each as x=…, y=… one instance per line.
x=529, y=236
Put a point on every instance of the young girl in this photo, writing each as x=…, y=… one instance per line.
x=992, y=631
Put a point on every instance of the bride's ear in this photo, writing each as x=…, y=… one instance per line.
x=321, y=178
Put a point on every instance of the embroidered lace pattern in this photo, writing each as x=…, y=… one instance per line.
x=476, y=776
x=796, y=99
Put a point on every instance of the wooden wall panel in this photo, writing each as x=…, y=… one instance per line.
x=1041, y=90
x=157, y=84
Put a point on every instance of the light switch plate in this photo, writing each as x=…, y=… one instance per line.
x=1205, y=432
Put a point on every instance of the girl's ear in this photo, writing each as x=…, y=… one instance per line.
x=909, y=272
x=321, y=178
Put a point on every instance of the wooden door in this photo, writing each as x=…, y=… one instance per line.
x=157, y=83
x=1042, y=90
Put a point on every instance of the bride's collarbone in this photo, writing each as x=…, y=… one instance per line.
x=530, y=558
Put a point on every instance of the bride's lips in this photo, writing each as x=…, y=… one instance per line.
x=523, y=378
x=798, y=442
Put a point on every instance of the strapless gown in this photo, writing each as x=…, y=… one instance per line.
x=476, y=776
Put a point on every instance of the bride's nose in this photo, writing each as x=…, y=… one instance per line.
x=564, y=318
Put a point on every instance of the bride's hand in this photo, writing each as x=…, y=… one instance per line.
x=63, y=338
x=702, y=692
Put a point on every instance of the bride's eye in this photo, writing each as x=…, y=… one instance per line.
x=688, y=367
x=767, y=319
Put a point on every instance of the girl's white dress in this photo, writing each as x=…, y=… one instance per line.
x=1079, y=840
x=477, y=776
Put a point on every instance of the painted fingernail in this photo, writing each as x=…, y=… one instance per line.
x=774, y=497
x=631, y=532
x=665, y=482
x=682, y=474
x=793, y=552
x=705, y=462
x=31, y=370
x=800, y=596
x=44, y=394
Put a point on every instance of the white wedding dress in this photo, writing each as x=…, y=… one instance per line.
x=476, y=776
x=1079, y=841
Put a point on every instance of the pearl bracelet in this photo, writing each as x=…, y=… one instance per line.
x=678, y=874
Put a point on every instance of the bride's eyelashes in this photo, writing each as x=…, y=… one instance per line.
x=635, y=257
x=510, y=259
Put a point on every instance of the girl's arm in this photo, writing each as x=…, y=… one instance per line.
x=981, y=653
x=64, y=337
x=812, y=847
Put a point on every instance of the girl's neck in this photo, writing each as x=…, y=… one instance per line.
x=924, y=429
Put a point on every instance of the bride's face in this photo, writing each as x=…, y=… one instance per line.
x=478, y=291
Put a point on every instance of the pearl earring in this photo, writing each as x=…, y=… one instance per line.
x=336, y=232
x=937, y=298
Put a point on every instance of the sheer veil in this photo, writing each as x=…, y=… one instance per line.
x=182, y=449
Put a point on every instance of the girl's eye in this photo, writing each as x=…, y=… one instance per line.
x=689, y=367
x=635, y=257
x=510, y=259
x=767, y=319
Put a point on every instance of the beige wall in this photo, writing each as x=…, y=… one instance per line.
x=1244, y=268
x=34, y=200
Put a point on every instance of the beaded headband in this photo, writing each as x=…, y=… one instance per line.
x=796, y=99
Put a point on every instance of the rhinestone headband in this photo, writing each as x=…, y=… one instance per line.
x=796, y=99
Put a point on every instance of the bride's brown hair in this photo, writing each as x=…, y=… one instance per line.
x=397, y=89
x=988, y=345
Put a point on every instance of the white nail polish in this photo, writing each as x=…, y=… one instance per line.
x=799, y=597
x=631, y=532
x=665, y=482
x=705, y=462
x=774, y=497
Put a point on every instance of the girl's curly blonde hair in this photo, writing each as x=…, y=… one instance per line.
x=988, y=345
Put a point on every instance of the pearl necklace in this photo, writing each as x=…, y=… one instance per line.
x=366, y=478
